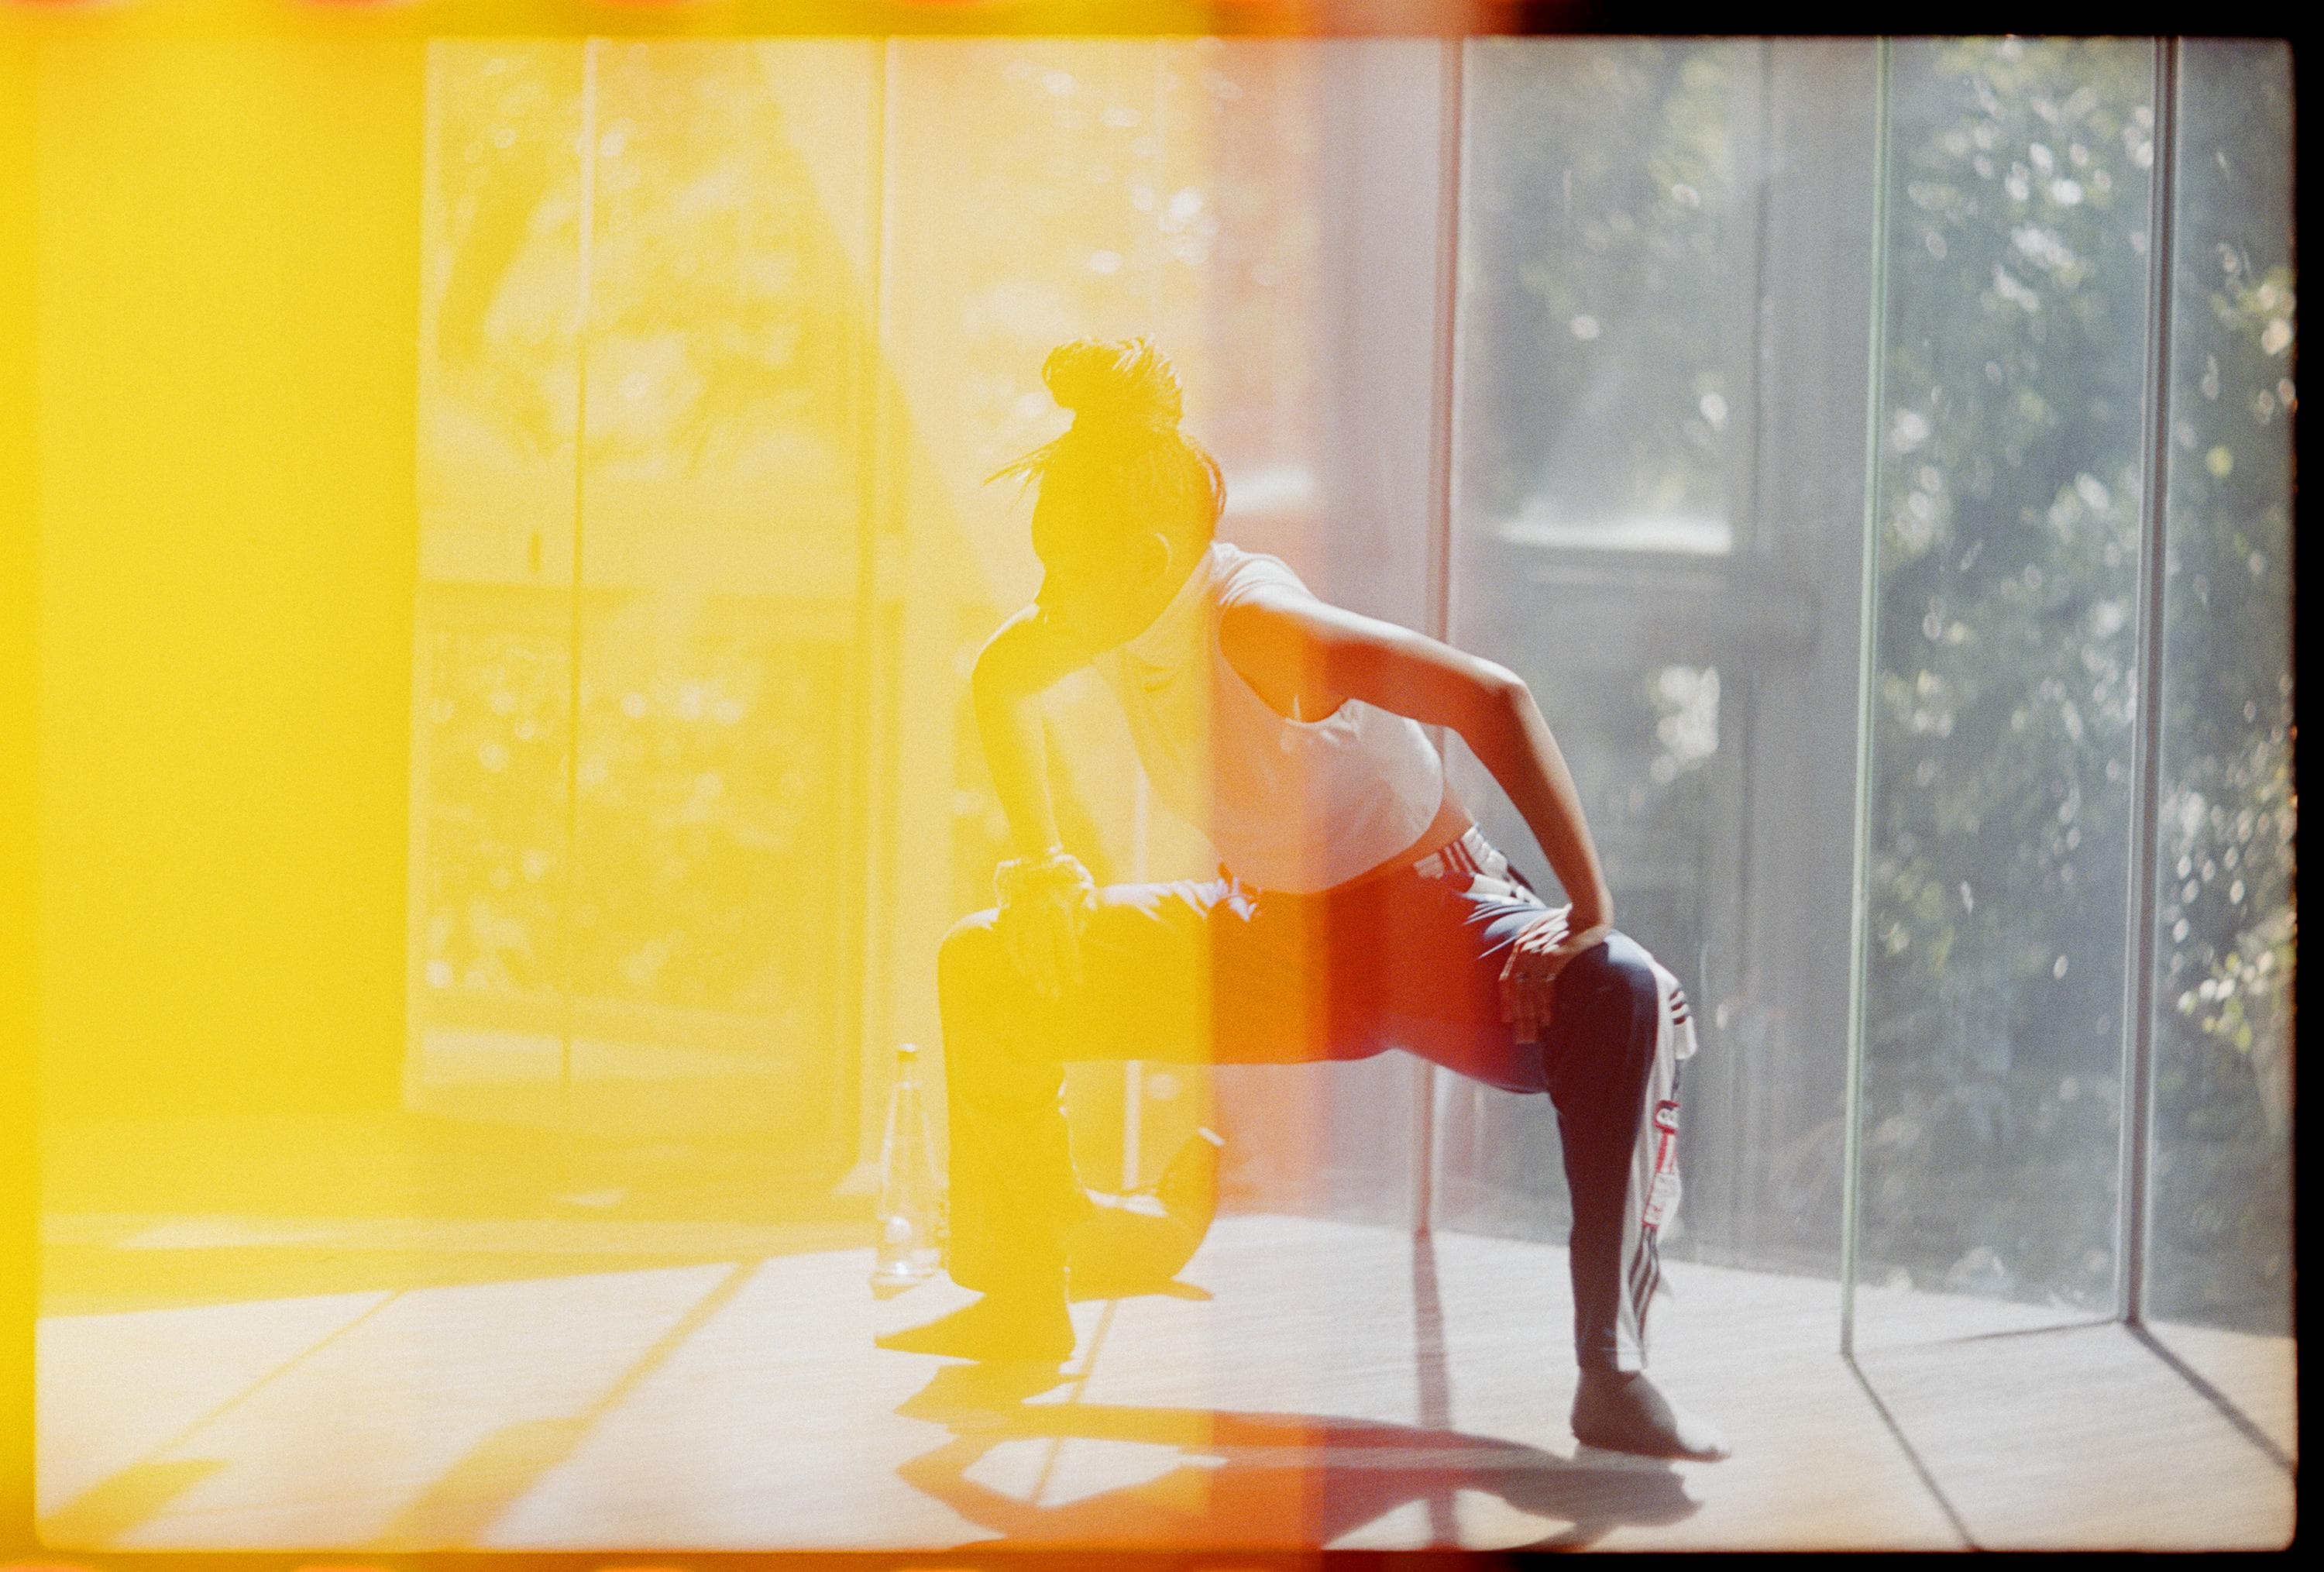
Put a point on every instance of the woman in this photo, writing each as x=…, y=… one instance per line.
x=1358, y=908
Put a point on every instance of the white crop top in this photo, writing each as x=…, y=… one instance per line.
x=1289, y=805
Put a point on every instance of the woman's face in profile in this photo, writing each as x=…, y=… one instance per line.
x=1101, y=583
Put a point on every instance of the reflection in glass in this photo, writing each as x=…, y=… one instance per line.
x=661, y=900
x=1608, y=207
x=1599, y=322
x=1620, y=543
x=728, y=333
x=492, y=648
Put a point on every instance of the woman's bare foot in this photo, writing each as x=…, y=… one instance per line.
x=1031, y=1328
x=1626, y=1412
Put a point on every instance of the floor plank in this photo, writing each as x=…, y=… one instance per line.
x=2081, y=1438
x=1307, y=1383
x=2258, y=1377
x=112, y=1389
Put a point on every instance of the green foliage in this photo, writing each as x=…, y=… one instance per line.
x=2011, y=491
x=1602, y=347
x=489, y=863
x=718, y=310
x=2227, y=920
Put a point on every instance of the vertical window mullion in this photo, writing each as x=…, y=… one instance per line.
x=2131, y=1207
x=1868, y=673
x=584, y=261
x=1450, y=121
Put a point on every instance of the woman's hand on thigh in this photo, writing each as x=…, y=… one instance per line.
x=1536, y=956
x=1043, y=902
x=1042, y=934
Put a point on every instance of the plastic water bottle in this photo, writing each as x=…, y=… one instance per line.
x=908, y=1202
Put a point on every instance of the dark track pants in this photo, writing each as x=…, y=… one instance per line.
x=1211, y=971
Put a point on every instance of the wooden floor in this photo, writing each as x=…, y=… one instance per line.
x=1312, y=1383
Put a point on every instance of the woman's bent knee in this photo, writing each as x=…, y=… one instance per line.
x=1621, y=965
x=972, y=948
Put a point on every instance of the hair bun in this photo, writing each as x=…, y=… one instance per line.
x=1121, y=382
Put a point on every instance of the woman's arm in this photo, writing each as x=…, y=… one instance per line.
x=1290, y=645
x=1289, y=642
x=1022, y=661
x=1040, y=926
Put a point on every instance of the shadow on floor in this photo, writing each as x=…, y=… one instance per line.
x=456, y=1508
x=1262, y=1479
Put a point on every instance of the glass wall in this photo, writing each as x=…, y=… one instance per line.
x=1610, y=204
x=1655, y=524
x=800, y=295
x=2011, y=431
x=755, y=351
x=493, y=658
x=2220, y=1245
x=720, y=505
x=638, y=934
x=1606, y=315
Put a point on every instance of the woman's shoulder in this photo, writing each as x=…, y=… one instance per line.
x=1240, y=576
